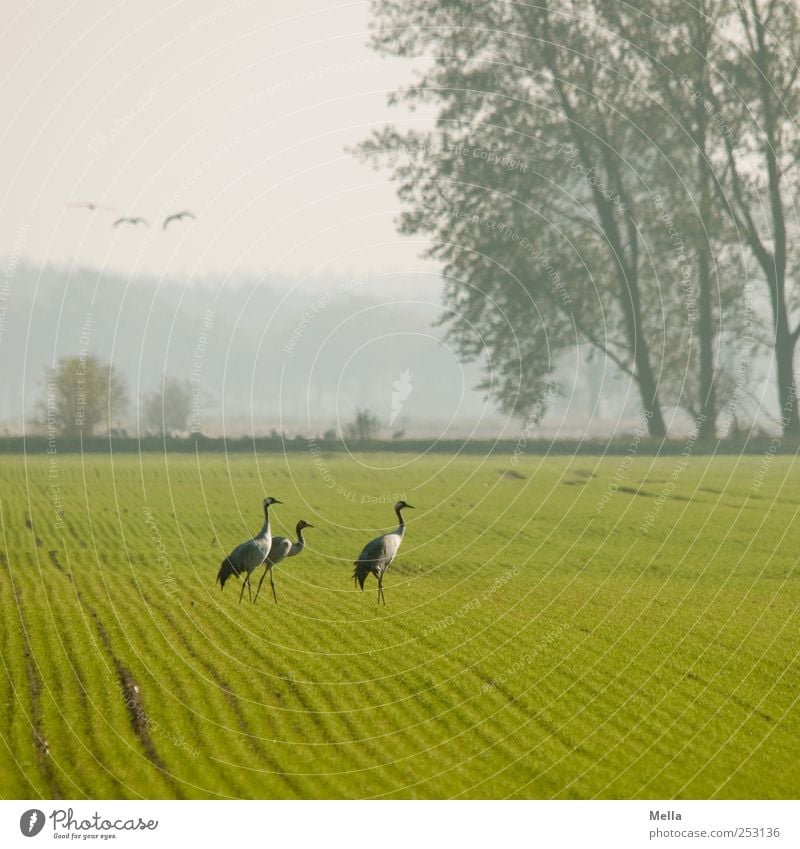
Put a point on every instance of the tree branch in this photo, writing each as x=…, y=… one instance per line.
x=615, y=358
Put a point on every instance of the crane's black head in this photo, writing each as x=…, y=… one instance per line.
x=268, y=500
x=302, y=525
x=402, y=505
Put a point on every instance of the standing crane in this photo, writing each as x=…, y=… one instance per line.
x=281, y=548
x=248, y=556
x=379, y=553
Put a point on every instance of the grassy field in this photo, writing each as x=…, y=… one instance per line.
x=560, y=628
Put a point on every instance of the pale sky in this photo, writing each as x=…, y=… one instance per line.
x=237, y=110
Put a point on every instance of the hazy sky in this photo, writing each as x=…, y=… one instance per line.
x=236, y=110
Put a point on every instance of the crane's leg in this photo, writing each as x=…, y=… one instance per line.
x=380, y=590
x=243, y=586
x=249, y=591
x=272, y=584
x=261, y=582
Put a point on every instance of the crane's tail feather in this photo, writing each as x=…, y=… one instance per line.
x=226, y=569
x=363, y=568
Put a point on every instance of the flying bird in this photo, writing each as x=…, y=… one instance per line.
x=90, y=206
x=378, y=554
x=248, y=556
x=281, y=548
x=126, y=220
x=178, y=216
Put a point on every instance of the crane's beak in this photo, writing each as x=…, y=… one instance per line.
x=275, y=501
x=309, y=526
x=409, y=506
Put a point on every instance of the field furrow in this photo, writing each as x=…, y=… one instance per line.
x=541, y=638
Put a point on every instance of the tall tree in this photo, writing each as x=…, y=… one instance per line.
x=725, y=74
x=534, y=187
x=82, y=393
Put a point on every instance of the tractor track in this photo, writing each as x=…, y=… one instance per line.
x=87, y=708
x=40, y=743
x=131, y=694
x=53, y=554
x=132, y=697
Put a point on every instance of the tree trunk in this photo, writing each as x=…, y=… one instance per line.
x=784, y=360
x=631, y=303
x=707, y=425
x=648, y=388
x=632, y=309
x=776, y=263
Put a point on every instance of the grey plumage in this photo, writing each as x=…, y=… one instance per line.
x=130, y=220
x=177, y=216
x=379, y=553
x=248, y=556
x=281, y=548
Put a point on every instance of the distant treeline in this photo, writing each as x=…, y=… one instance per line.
x=512, y=449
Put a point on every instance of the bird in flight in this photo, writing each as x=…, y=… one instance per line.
x=90, y=206
x=130, y=221
x=178, y=216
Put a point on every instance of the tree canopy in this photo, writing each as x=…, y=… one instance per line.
x=81, y=393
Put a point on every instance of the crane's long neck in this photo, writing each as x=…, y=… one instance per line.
x=265, y=528
x=300, y=541
x=401, y=528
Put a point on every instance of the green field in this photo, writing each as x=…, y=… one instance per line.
x=543, y=636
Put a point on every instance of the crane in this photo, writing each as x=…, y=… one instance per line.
x=177, y=216
x=130, y=220
x=281, y=548
x=248, y=556
x=379, y=553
